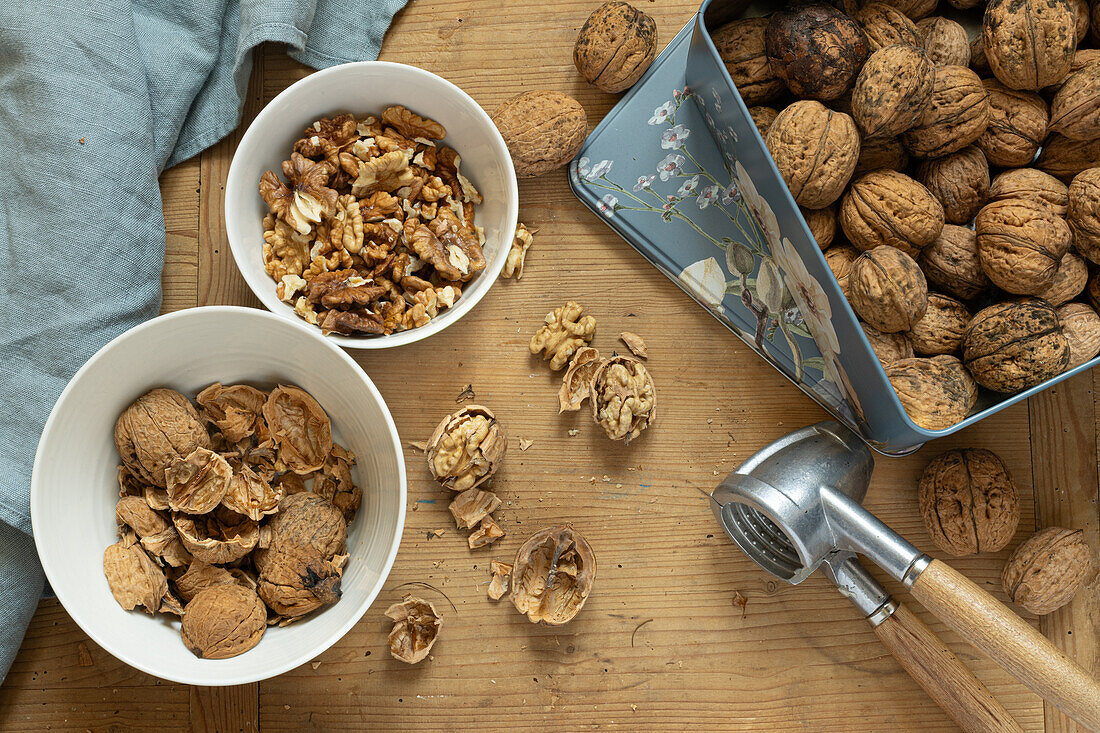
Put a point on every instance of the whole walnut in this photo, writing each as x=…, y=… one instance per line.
x=914, y=9
x=1083, y=14
x=1064, y=158
x=305, y=522
x=1075, y=109
x=1083, y=212
x=159, y=428
x=1092, y=290
x=815, y=150
x=1033, y=185
x=960, y=182
x=822, y=224
x=1020, y=244
x=1069, y=281
x=941, y=329
x=1082, y=57
x=968, y=501
x=543, y=130
x=951, y=263
x=978, y=61
x=1018, y=122
x=892, y=90
x=616, y=45
x=956, y=115
x=1047, y=569
x=959, y=378
x=885, y=26
x=887, y=207
x=741, y=46
x=839, y=258
x=945, y=41
x=881, y=152
x=888, y=347
x=1014, y=345
x=1081, y=326
x=1029, y=43
x=223, y=621
x=763, y=117
x=930, y=392
x=888, y=289
x=816, y=50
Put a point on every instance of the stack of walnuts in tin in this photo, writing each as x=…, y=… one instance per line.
x=951, y=178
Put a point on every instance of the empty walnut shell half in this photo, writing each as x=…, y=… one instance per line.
x=577, y=382
x=160, y=427
x=300, y=427
x=968, y=501
x=466, y=448
x=219, y=537
x=198, y=483
x=133, y=577
x=624, y=398
x=223, y=621
x=1046, y=571
x=236, y=410
x=553, y=575
x=416, y=627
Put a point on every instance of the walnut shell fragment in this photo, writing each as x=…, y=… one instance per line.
x=236, y=410
x=624, y=399
x=473, y=505
x=616, y=45
x=1047, y=569
x=542, y=129
x=969, y=502
x=1014, y=345
x=198, y=483
x=160, y=427
x=157, y=534
x=553, y=575
x=466, y=448
x=202, y=575
x=300, y=427
x=635, y=343
x=486, y=533
x=223, y=621
x=219, y=537
x=501, y=572
x=415, y=629
x=576, y=384
x=249, y=494
x=133, y=577
x=563, y=333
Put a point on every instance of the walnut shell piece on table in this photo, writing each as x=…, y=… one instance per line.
x=1083, y=212
x=563, y=332
x=959, y=181
x=888, y=289
x=742, y=47
x=219, y=537
x=886, y=26
x=881, y=152
x=887, y=207
x=956, y=115
x=198, y=483
x=1064, y=158
x=1081, y=326
x=1017, y=125
x=945, y=41
x=839, y=258
x=942, y=327
x=1021, y=244
x=542, y=129
x=466, y=448
x=1014, y=345
x=816, y=50
x=892, y=90
x=951, y=263
x=1075, y=109
x=502, y=573
x=553, y=575
x=223, y=621
x=624, y=398
x=1047, y=569
x=133, y=577
x=1029, y=43
x=1069, y=281
x=416, y=626
x=473, y=505
x=930, y=391
x=1033, y=185
x=888, y=347
x=300, y=427
x=486, y=533
x=160, y=427
x=815, y=150
x=576, y=383
x=616, y=45
x=968, y=501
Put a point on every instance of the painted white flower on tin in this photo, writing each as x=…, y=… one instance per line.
x=643, y=182
x=706, y=281
x=671, y=165
x=582, y=167
x=674, y=137
x=600, y=169
x=760, y=208
x=708, y=195
x=689, y=187
x=607, y=205
x=661, y=113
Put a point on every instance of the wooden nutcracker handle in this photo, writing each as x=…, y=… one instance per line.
x=1010, y=642
x=942, y=675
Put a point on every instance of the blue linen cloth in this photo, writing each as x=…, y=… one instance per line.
x=96, y=99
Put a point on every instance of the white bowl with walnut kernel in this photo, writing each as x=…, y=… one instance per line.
x=372, y=202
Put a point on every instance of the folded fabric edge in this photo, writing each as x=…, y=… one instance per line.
x=21, y=584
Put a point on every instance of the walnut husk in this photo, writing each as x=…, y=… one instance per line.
x=968, y=501
x=1047, y=569
x=552, y=575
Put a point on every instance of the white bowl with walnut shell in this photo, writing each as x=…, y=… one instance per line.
x=367, y=88
x=74, y=487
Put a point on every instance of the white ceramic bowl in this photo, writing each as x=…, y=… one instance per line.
x=362, y=88
x=74, y=487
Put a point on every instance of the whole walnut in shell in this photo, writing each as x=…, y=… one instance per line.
x=888, y=289
x=1033, y=185
x=134, y=578
x=885, y=26
x=1083, y=210
x=624, y=399
x=1081, y=326
x=553, y=575
x=1069, y=281
x=941, y=329
x=1064, y=158
x=945, y=41
x=822, y=224
x=968, y=501
x=816, y=50
x=887, y=207
x=763, y=117
x=815, y=150
x=958, y=378
x=930, y=391
x=951, y=263
x=978, y=61
x=1014, y=345
x=1029, y=43
x=888, y=347
x=160, y=427
x=466, y=448
x=960, y=182
x=1017, y=125
x=416, y=626
x=839, y=258
x=542, y=129
x=1075, y=109
x=881, y=152
x=1047, y=569
x=892, y=90
x=616, y=45
x=956, y=115
x=914, y=9
x=742, y=48
x=1020, y=244
x=223, y=621
x=300, y=427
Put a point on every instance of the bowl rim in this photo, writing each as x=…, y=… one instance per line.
x=452, y=314
x=73, y=608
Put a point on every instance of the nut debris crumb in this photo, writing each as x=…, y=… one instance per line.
x=634, y=342
x=573, y=432
x=436, y=533
x=524, y=443
x=501, y=572
x=742, y=601
x=83, y=656
x=315, y=665
x=420, y=445
x=467, y=393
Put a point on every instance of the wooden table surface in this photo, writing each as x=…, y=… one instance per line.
x=660, y=644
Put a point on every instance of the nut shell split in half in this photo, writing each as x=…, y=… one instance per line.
x=553, y=575
x=300, y=427
x=223, y=621
x=969, y=502
x=577, y=382
x=466, y=448
x=624, y=398
x=160, y=427
x=1047, y=570
x=416, y=627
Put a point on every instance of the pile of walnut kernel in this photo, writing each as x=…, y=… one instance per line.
x=373, y=231
x=217, y=523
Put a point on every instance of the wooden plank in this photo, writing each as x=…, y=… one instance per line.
x=179, y=191
x=224, y=709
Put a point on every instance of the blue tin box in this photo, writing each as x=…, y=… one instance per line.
x=680, y=171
